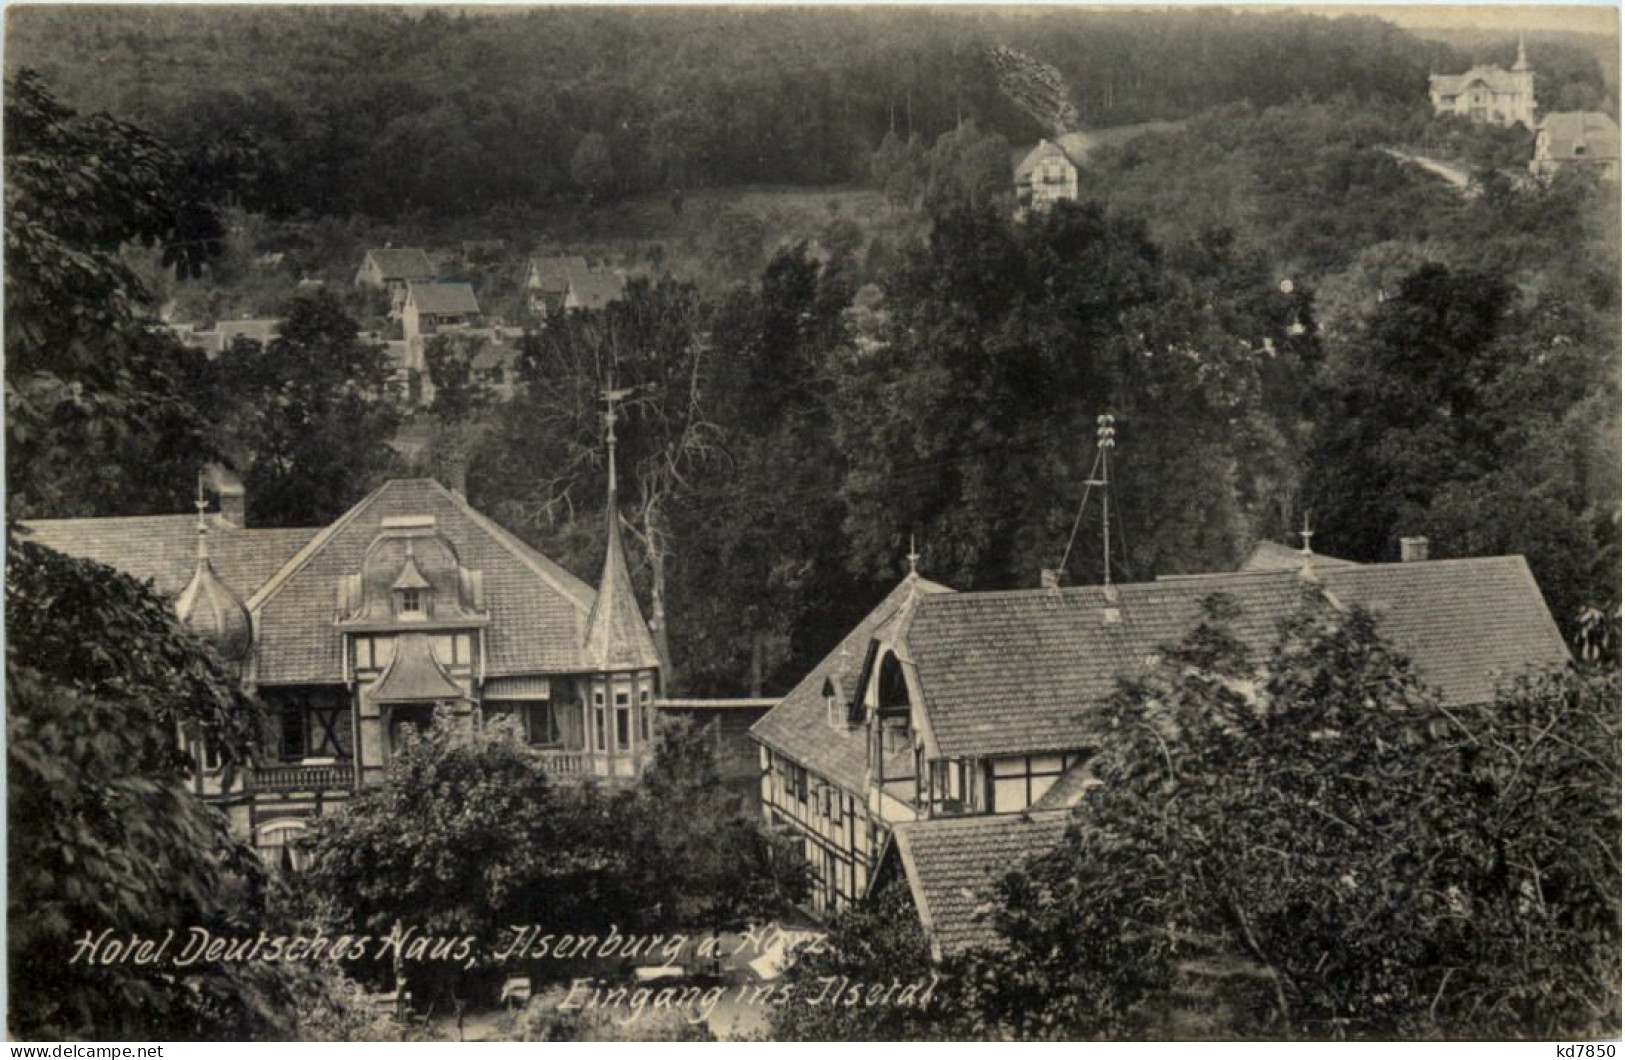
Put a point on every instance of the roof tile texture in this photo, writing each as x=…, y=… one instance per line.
x=799, y=725
x=952, y=862
x=538, y=609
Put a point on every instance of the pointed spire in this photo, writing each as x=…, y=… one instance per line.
x=1523, y=58
x=617, y=636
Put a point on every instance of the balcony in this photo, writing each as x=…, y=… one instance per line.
x=580, y=765
x=301, y=776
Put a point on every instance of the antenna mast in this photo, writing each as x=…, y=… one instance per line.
x=1106, y=441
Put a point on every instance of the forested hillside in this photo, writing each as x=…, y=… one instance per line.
x=389, y=112
x=1285, y=320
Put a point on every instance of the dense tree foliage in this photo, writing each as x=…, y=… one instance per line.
x=309, y=415
x=1308, y=845
x=102, y=833
x=101, y=409
x=468, y=837
x=1302, y=844
x=875, y=943
x=391, y=112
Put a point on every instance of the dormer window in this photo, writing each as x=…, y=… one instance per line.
x=411, y=591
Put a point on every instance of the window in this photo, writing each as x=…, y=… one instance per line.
x=542, y=725
x=411, y=602
x=452, y=650
x=623, y=726
x=598, y=721
x=1017, y=783
x=279, y=846
x=320, y=731
x=644, y=710
x=293, y=734
x=205, y=753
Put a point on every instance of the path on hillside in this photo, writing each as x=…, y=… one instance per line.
x=1453, y=175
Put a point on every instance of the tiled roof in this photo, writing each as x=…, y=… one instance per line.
x=162, y=549
x=1594, y=134
x=617, y=636
x=443, y=299
x=1268, y=555
x=1466, y=624
x=799, y=726
x=595, y=290
x=538, y=609
x=1494, y=78
x=553, y=274
x=951, y=863
x=1008, y=672
x=402, y=263
x=1046, y=149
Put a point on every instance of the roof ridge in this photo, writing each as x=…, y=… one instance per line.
x=557, y=576
x=312, y=548
x=1027, y=816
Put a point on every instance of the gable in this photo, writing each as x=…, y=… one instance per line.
x=393, y=263
x=799, y=725
x=953, y=863
x=1044, y=152
x=537, y=609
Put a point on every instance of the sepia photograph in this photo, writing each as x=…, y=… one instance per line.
x=782, y=523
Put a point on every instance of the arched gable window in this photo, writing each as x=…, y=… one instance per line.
x=891, y=697
x=892, y=690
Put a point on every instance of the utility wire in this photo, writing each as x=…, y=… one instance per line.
x=1089, y=485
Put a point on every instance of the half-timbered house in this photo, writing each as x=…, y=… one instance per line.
x=940, y=739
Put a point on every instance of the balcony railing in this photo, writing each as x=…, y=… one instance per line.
x=580, y=764
x=302, y=777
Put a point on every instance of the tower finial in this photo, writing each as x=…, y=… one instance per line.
x=1307, y=534
x=610, y=396
x=913, y=555
x=201, y=503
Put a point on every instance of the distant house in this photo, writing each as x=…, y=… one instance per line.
x=594, y=290
x=1576, y=138
x=1046, y=176
x=391, y=269
x=261, y=331
x=220, y=338
x=1488, y=93
x=547, y=281
x=428, y=307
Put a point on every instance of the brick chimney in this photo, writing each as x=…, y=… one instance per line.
x=1413, y=549
x=1049, y=578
